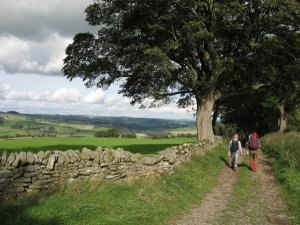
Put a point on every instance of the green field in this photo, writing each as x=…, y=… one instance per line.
x=145, y=146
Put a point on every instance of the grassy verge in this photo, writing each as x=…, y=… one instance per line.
x=143, y=146
x=284, y=151
x=145, y=201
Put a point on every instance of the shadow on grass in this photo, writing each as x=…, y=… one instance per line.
x=51, y=147
x=225, y=161
x=244, y=165
x=135, y=148
x=145, y=149
x=16, y=212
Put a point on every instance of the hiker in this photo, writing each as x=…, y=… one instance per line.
x=253, y=145
x=235, y=148
x=244, y=140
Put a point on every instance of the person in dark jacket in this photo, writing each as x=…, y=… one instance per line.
x=235, y=149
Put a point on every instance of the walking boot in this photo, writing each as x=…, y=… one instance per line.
x=254, y=167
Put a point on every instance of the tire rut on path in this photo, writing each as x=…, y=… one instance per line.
x=214, y=202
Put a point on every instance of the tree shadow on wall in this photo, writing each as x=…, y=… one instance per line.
x=16, y=212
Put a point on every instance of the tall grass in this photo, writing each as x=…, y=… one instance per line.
x=284, y=150
x=285, y=147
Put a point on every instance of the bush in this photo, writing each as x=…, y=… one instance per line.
x=16, y=126
x=188, y=135
x=159, y=134
x=283, y=149
x=129, y=136
x=2, y=119
x=109, y=133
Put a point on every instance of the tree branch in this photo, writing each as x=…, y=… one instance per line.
x=176, y=93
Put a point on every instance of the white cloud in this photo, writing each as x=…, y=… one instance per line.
x=95, y=97
x=19, y=56
x=64, y=95
x=34, y=34
x=36, y=19
x=74, y=101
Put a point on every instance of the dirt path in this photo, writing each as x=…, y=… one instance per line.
x=214, y=204
x=265, y=205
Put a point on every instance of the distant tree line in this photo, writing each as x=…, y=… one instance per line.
x=114, y=133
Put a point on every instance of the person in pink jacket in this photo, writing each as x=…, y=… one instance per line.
x=253, y=145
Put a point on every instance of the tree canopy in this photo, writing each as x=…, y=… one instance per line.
x=188, y=51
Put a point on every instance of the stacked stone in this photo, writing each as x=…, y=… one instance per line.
x=26, y=172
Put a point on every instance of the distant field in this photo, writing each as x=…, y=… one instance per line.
x=61, y=129
x=145, y=146
x=184, y=130
x=64, y=126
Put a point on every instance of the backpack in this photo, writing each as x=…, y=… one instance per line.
x=234, y=147
x=253, y=144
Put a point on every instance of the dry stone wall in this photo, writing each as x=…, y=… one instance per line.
x=26, y=172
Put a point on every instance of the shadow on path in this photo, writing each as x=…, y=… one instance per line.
x=239, y=165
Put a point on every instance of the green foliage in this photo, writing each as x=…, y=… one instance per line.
x=294, y=118
x=109, y=133
x=145, y=201
x=284, y=150
x=16, y=126
x=177, y=50
x=159, y=134
x=129, y=136
x=164, y=47
x=248, y=113
x=2, y=119
x=187, y=135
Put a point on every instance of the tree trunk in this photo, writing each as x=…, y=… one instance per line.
x=283, y=118
x=215, y=117
x=203, y=117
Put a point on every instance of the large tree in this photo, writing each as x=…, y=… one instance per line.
x=281, y=54
x=172, y=50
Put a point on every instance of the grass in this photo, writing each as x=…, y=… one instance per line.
x=143, y=146
x=284, y=151
x=145, y=201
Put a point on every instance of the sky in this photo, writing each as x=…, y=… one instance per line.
x=33, y=38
